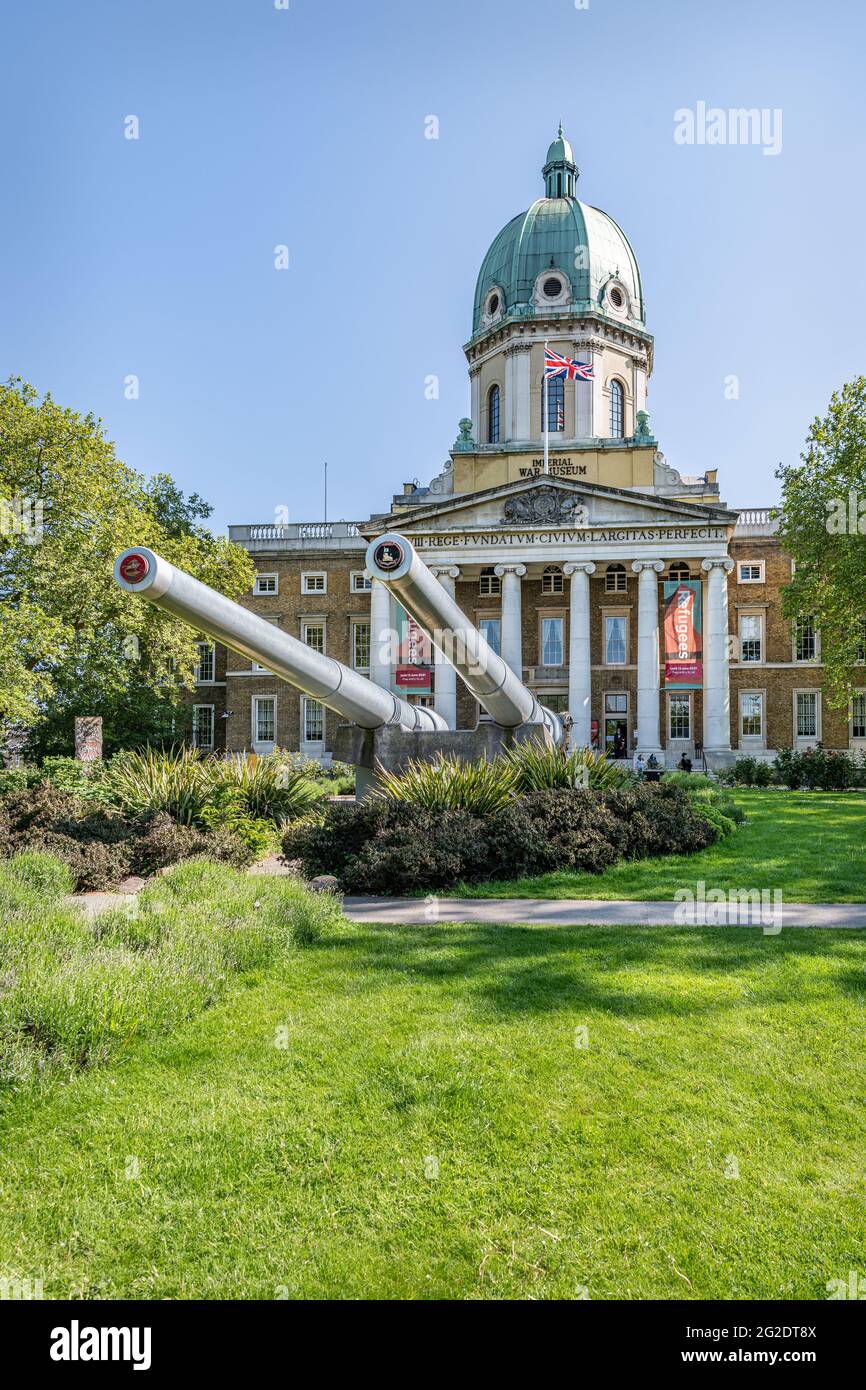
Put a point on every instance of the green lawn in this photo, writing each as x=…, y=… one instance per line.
x=811, y=845
x=431, y=1130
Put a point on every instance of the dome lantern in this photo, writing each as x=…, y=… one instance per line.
x=560, y=171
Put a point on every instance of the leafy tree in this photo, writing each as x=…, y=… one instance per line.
x=71, y=641
x=822, y=525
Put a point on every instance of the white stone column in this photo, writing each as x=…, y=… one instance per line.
x=521, y=416
x=381, y=627
x=475, y=407
x=648, y=736
x=600, y=424
x=717, y=698
x=579, y=663
x=445, y=694
x=511, y=625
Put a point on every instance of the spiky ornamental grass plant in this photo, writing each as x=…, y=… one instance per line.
x=540, y=767
x=173, y=780
x=191, y=786
x=449, y=783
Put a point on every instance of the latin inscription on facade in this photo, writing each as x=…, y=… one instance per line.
x=609, y=535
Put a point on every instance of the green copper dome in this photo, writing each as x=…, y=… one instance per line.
x=592, y=265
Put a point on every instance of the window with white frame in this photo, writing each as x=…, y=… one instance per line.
x=314, y=721
x=750, y=571
x=314, y=582
x=805, y=640
x=678, y=572
x=615, y=639
x=807, y=714
x=751, y=714
x=266, y=584
x=491, y=629
x=615, y=579
x=553, y=580
x=751, y=637
x=858, y=716
x=489, y=583
x=264, y=719
x=552, y=642
x=679, y=716
x=361, y=582
x=361, y=646
x=204, y=665
x=313, y=634
x=202, y=726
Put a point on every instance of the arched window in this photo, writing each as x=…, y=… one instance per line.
x=555, y=404
x=552, y=580
x=616, y=409
x=615, y=579
x=493, y=415
x=679, y=570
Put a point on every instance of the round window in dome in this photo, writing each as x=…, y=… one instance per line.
x=617, y=298
x=552, y=287
x=493, y=304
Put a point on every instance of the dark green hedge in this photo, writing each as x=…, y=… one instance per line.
x=381, y=846
x=101, y=846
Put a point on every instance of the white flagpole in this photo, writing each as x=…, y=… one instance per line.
x=546, y=420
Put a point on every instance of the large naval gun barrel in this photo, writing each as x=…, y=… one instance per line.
x=393, y=559
x=346, y=692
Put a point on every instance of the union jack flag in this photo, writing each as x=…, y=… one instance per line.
x=555, y=365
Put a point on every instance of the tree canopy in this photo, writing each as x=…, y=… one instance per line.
x=822, y=526
x=71, y=641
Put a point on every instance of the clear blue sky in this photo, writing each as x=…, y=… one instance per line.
x=261, y=126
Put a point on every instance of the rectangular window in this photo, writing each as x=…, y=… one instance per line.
x=202, y=726
x=314, y=582
x=489, y=584
x=556, y=702
x=680, y=726
x=616, y=704
x=490, y=629
x=204, y=666
x=751, y=637
x=361, y=646
x=552, y=653
x=266, y=584
x=264, y=719
x=805, y=640
x=615, y=580
x=552, y=581
x=314, y=635
x=807, y=713
x=750, y=571
x=858, y=715
x=361, y=582
x=314, y=721
x=615, y=640
x=751, y=714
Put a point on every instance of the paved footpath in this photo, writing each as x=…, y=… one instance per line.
x=561, y=912
x=591, y=912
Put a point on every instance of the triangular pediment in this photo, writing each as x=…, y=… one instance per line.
x=542, y=502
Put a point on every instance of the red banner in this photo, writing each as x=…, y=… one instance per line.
x=418, y=677
x=683, y=634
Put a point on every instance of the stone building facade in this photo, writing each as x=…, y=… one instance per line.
x=572, y=564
